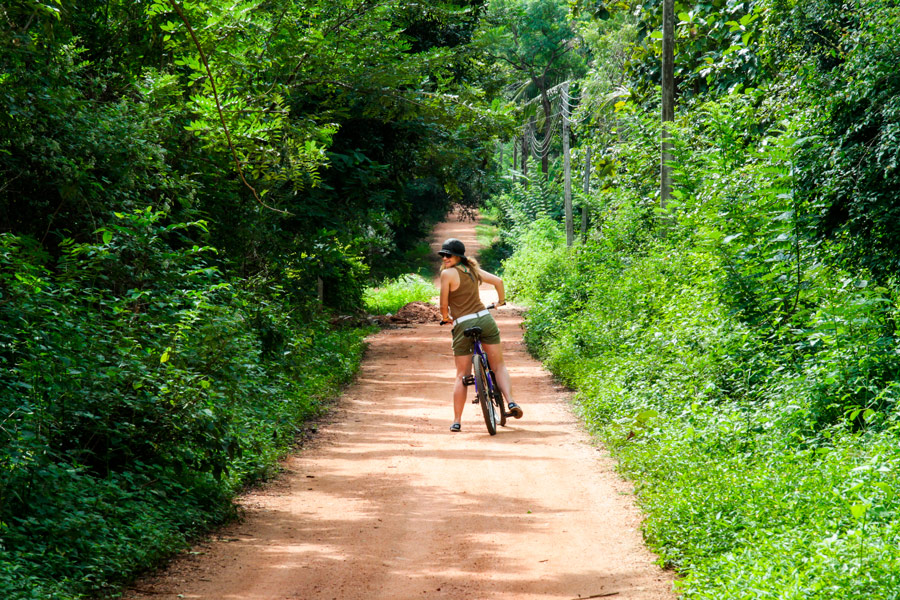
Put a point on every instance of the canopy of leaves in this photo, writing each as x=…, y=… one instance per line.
x=179, y=181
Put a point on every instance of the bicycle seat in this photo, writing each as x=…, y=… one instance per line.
x=472, y=332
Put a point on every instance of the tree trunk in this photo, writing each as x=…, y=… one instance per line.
x=525, y=156
x=548, y=131
x=668, y=100
x=587, y=191
x=515, y=149
x=567, y=169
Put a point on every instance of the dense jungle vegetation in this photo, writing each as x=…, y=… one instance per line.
x=189, y=191
x=736, y=348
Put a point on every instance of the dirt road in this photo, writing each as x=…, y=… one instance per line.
x=388, y=504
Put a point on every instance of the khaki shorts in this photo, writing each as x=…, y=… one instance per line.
x=490, y=334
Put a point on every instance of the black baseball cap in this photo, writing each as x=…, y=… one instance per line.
x=453, y=247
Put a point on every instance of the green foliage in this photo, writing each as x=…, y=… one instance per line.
x=176, y=180
x=110, y=106
x=493, y=250
x=392, y=294
x=532, y=43
x=532, y=36
x=139, y=391
x=530, y=200
x=534, y=257
x=717, y=46
x=737, y=350
x=848, y=162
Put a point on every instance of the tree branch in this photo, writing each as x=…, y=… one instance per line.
x=212, y=82
x=360, y=11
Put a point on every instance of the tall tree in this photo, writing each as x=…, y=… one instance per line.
x=536, y=40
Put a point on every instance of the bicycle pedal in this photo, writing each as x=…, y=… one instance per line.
x=468, y=380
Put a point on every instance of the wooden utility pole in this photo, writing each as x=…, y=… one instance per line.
x=525, y=154
x=515, y=161
x=668, y=99
x=567, y=166
x=587, y=191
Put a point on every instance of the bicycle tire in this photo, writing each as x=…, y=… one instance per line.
x=484, y=399
x=498, y=400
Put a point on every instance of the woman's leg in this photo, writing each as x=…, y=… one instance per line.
x=495, y=357
x=463, y=368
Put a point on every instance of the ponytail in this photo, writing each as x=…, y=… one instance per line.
x=476, y=268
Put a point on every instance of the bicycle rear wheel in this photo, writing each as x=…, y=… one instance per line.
x=484, y=399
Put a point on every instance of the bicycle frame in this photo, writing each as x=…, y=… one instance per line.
x=477, y=350
x=492, y=397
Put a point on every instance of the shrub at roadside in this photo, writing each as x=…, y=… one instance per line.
x=139, y=392
x=741, y=371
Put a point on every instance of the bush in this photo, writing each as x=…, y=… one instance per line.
x=139, y=391
x=742, y=373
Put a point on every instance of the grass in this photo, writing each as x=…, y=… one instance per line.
x=393, y=294
x=493, y=249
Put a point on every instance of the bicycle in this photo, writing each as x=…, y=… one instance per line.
x=487, y=392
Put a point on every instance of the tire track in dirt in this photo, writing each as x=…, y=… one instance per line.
x=387, y=504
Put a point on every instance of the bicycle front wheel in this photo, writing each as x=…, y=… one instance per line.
x=484, y=398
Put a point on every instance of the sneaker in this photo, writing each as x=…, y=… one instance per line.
x=456, y=428
x=515, y=410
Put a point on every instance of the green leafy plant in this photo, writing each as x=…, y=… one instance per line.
x=392, y=294
x=739, y=363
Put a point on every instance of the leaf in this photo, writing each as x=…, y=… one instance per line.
x=859, y=510
x=165, y=357
x=645, y=415
x=886, y=488
x=107, y=237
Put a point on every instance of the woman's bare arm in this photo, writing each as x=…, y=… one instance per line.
x=497, y=283
x=448, y=277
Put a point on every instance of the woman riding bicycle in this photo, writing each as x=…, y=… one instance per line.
x=460, y=278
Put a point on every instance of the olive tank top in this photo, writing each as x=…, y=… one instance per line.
x=465, y=299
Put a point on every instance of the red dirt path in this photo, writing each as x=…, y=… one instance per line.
x=387, y=504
